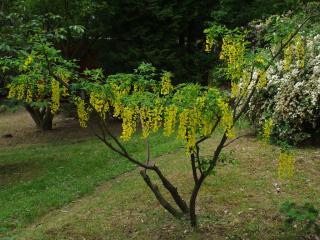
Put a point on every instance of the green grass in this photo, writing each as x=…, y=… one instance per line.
x=239, y=202
x=36, y=179
x=76, y=190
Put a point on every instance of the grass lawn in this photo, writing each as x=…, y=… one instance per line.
x=239, y=202
x=37, y=178
x=61, y=188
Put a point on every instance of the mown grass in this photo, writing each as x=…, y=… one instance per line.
x=241, y=201
x=38, y=178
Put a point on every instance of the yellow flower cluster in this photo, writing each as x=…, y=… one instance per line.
x=226, y=118
x=129, y=123
x=245, y=81
x=209, y=44
x=146, y=120
x=40, y=88
x=262, y=76
x=285, y=165
x=55, y=96
x=288, y=57
x=189, y=120
x=170, y=119
x=267, y=129
x=296, y=48
x=83, y=113
x=156, y=116
x=17, y=91
x=27, y=63
x=260, y=59
x=29, y=96
x=150, y=119
x=166, y=86
x=207, y=126
x=300, y=51
x=116, y=102
x=233, y=52
x=99, y=104
x=234, y=89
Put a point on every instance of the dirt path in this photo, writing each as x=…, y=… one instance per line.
x=22, y=130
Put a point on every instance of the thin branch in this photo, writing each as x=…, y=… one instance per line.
x=193, y=166
x=114, y=138
x=198, y=159
x=212, y=130
x=237, y=138
x=241, y=97
x=202, y=140
x=148, y=150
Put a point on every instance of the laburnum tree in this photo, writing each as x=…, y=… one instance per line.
x=192, y=112
x=29, y=61
x=147, y=98
x=35, y=84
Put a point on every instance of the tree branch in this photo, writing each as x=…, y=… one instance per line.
x=193, y=166
x=235, y=139
x=164, y=203
x=172, y=190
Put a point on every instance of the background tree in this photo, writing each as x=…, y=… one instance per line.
x=28, y=61
x=167, y=34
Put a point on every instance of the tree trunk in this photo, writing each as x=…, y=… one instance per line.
x=42, y=117
x=193, y=199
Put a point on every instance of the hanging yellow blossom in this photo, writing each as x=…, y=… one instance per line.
x=99, y=104
x=234, y=89
x=200, y=103
x=166, y=86
x=232, y=52
x=194, y=117
x=146, y=121
x=156, y=117
x=83, y=113
x=55, y=96
x=183, y=123
x=288, y=57
x=209, y=44
x=27, y=62
x=40, y=88
x=129, y=123
x=116, y=101
x=189, y=121
x=267, y=129
x=29, y=96
x=286, y=165
x=300, y=52
x=17, y=91
x=262, y=82
x=226, y=118
x=207, y=126
x=170, y=119
x=245, y=81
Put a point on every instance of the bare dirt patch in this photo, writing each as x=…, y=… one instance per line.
x=18, y=128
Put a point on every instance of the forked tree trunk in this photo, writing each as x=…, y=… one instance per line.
x=42, y=117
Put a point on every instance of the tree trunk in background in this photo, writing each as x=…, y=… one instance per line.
x=42, y=117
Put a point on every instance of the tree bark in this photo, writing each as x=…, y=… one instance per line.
x=42, y=117
x=173, y=191
x=193, y=199
x=154, y=188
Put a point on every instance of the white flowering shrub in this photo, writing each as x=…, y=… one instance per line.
x=291, y=97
